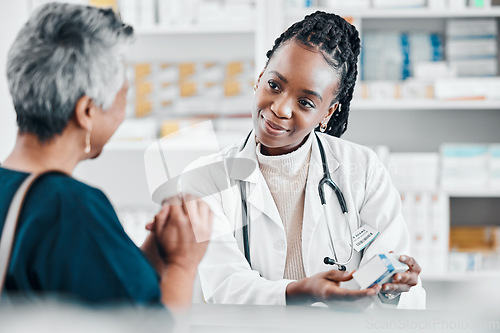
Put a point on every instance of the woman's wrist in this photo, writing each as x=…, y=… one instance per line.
x=177, y=286
x=186, y=269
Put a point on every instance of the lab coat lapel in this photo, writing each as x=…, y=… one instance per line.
x=313, y=210
x=262, y=200
x=258, y=193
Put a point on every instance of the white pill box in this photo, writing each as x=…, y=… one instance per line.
x=379, y=269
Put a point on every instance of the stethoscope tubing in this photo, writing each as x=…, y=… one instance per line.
x=326, y=180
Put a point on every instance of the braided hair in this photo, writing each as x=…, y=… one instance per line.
x=339, y=44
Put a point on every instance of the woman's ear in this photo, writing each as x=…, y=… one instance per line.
x=331, y=110
x=84, y=112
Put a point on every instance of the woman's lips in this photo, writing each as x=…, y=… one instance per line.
x=272, y=128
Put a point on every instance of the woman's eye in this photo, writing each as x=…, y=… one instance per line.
x=273, y=85
x=306, y=104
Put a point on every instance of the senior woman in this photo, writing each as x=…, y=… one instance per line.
x=67, y=82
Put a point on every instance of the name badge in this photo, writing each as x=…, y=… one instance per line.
x=363, y=236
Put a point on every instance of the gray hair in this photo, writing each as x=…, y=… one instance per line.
x=62, y=53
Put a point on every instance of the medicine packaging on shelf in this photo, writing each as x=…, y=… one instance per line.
x=389, y=55
x=381, y=90
x=427, y=216
x=189, y=87
x=416, y=89
x=300, y=3
x=476, y=48
x=381, y=56
x=437, y=4
x=415, y=171
x=474, y=239
x=471, y=47
x=464, y=166
x=471, y=27
x=151, y=14
x=461, y=262
x=467, y=88
x=398, y=3
x=480, y=3
x=429, y=71
x=342, y=4
x=422, y=47
x=173, y=125
x=495, y=166
x=393, y=90
x=457, y=4
x=475, y=67
x=474, y=248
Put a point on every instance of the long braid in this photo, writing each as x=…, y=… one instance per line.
x=340, y=45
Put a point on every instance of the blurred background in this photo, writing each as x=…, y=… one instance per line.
x=427, y=102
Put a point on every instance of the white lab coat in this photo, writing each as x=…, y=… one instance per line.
x=371, y=198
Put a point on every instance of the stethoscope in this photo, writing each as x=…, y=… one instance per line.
x=326, y=180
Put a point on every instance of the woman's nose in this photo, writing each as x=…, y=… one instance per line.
x=282, y=108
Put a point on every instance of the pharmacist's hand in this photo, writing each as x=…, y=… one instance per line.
x=325, y=286
x=402, y=282
x=182, y=230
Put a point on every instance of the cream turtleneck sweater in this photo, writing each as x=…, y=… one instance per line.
x=286, y=177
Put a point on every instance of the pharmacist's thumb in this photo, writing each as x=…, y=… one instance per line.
x=338, y=276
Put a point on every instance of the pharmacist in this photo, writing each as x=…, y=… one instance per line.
x=283, y=230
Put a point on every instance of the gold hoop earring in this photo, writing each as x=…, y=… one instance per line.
x=87, y=143
x=322, y=128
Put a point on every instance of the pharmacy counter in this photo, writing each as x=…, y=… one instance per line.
x=247, y=318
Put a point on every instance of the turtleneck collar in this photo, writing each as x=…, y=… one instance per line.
x=289, y=163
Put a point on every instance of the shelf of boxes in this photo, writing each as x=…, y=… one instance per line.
x=424, y=104
x=474, y=193
x=458, y=193
x=415, y=13
x=462, y=276
x=201, y=30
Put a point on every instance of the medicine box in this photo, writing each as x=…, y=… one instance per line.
x=379, y=270
x=467, y=27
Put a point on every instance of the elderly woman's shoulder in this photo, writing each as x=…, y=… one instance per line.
x=62, y=189
x=59, y=199
x=65, y=187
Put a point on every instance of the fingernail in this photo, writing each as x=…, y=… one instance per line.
x=403, y=258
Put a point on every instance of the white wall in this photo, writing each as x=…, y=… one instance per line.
x=13, y=14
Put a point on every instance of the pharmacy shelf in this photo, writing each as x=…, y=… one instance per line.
x=462, y=276
x=194, y=30
x=223, y=140
x=143, y=145
x=456, y=193
x=424, y=104
x=473, y=193
x=397, y=13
